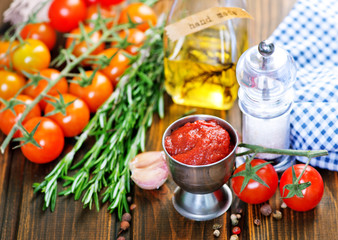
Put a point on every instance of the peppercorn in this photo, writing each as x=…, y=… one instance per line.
x=233, y=237
x=283, y=205
x=132, y=207
x=234, y=219
x=238, y=216
x=126, y=217
x=217, y=233
x=236, y=230
x=266, y=209
x=129, y=199
x=121, y=238
x=217, y=226
x=277, y=215
x=257, y=222
x=239, y=210
x=124, y=225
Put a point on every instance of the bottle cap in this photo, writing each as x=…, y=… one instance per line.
x=265, y=72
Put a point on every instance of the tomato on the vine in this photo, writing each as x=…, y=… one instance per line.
x=255, y=192
x=134, y=39
x=118, y=64
x=6, y=53
x=110, y=2
x=65, y=15
x=81, y=47
x=48, y=135
x=42, y=31
x=10, y=83
x=103, y=2
x=91, y=2
x=94, y=94
x=76, y=118
x=312, y=194
x=106, y=12
x=32, y=56
x=139, y=13
x=48, y=74
x=8, y=118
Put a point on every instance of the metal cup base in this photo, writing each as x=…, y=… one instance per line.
x=202, y=207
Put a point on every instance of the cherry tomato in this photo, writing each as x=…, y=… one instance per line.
x=138, y=13
x=50, y=138
x=81, y=47
x=42, y=31
x=255, y=192
x=106, y=12
x=8, y=119
x=76, y=118
x=48, y=73
x=65, y=15
x=6, y=53
x=104, y=2
x=10, y=83
x=91, y=2
x=312, y=194
x=118, y=64
x=32, y=56
x=94, y=94
x=110, y=2
x=134, y=37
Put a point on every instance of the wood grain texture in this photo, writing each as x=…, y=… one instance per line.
x=21, y=215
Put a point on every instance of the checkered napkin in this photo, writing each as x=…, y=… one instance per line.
x=310, y=34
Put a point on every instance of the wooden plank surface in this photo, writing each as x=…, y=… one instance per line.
x=21, y=216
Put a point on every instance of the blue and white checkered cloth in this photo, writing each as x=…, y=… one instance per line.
x=310, y=34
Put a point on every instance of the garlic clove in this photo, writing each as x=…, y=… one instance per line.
x=149, y=170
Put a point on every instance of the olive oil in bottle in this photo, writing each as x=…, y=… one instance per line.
x=200, y=68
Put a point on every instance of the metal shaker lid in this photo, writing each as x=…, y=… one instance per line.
x=265, y=72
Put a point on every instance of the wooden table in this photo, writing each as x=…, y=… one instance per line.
x=21, y=215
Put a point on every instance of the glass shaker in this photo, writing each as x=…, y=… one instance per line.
x=200, y=67
x=266, y=74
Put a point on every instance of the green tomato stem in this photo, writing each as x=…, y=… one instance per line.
x=291, y=152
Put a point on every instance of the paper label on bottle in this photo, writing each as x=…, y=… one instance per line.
x=203, y=20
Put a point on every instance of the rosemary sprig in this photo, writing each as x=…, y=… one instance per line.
x=119, y=128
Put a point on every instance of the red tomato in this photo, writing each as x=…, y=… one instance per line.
x=91, y=2
x=10, y=83
x=42, y=31
x=50, y=138
x=312, y=194
x=48, y=73
x=255, y=192
x=76, y=118
x=83, y=46
x=135, y=38
x=8, y=119
x=106, y=12
x=118, y=64
x=110, y=2
x=6, y=53
x=32, y=56
x=138, y=13
x=65, y=15
x=103, y=2
x=94, y=94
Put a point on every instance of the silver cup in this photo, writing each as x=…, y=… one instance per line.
x=202, y=193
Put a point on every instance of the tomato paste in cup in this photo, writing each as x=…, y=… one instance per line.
x=199, y=143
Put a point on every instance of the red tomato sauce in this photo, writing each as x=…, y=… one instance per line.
x=199, y=143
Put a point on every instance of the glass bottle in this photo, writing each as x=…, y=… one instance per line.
x=266, y=75
x=200, y=67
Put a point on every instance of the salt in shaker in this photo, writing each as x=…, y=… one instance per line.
x=266, y=74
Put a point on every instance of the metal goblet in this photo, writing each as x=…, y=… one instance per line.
x=202, y=193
